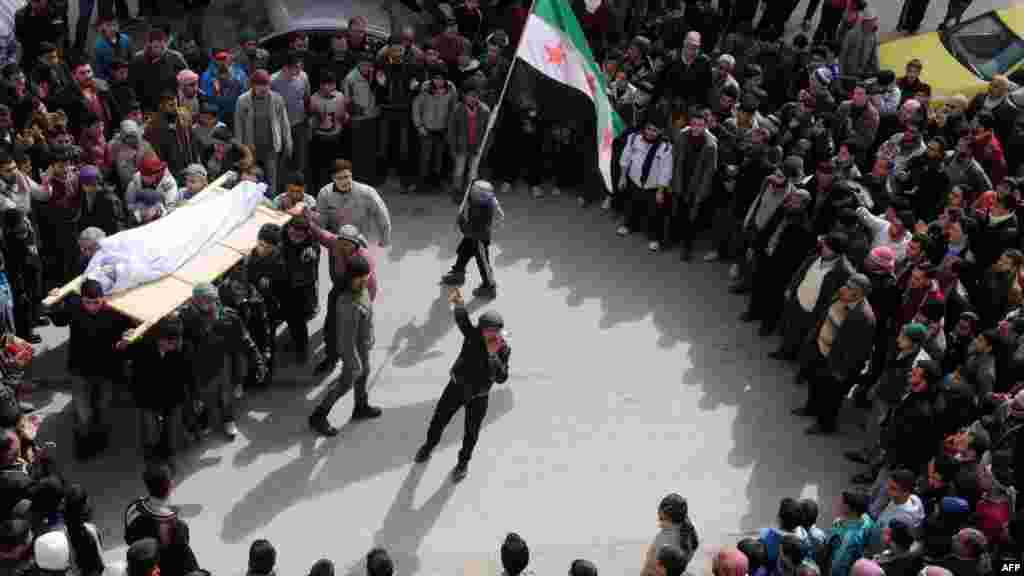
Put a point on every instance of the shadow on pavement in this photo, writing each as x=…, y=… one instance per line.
x=362, y=450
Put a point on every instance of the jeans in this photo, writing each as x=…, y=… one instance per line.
x=478, y=250
x=464, y=172
x=432, y=150
x=300, y=154
x=218, y=394
x=451, y=400
x=90, y=396
x=161, y=431
x=348, y=379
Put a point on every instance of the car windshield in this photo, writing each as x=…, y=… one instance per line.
x=986, y=46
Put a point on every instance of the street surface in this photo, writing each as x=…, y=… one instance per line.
x=631, y=378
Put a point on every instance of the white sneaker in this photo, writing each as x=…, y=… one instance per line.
x=230, y=430
x=711, y=256
x=606, y=204
x=537, y=192
x=555, y=191
x=734, y=272
x=239, y=392
x=623, y=231
x=654, y=246
x=581, y=201
x=505, y=187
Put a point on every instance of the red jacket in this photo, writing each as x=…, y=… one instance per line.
x=990, y=155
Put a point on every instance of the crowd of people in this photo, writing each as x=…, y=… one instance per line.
x=875, y=231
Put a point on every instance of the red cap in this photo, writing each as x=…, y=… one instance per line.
x=152, y=165
x=261, y=77
x=221, y=56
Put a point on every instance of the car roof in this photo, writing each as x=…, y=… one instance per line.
x=287, y=16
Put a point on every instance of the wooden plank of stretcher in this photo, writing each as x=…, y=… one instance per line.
x=209, y=265
x=243, y=239
x=151, y=302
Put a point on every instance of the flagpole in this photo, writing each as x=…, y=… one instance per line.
x=474, y=164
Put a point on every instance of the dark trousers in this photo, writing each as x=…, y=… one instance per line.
x=331, y=322
x=479, y=250
x=323, y=151
x=347, y=380
x=684, y=228
x=912, y=14
x=26, y=312
x=451, y=400
x=766, y=294
x=295, y=313
x=829, y=24
x=644, y=213
x=824, y=392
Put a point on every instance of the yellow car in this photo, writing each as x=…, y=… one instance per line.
x=963, y=58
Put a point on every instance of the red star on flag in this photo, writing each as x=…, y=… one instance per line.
x=606, y=140
x=554, y=53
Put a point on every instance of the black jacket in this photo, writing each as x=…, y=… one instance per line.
x=104, y=211
x=214, y=339
x=93, y=337
x=475, y=369
x=909, y=430
x=159, y=382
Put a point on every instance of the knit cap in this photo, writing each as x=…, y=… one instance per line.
x=491, y=319
x=204, y=290
x=187, y=77
x=952, y=505
x=195, y=169
x=88, y=175
x=823, y=75
x=883, y=258
x=52, y=552
x=915, y=332
x=270, y=233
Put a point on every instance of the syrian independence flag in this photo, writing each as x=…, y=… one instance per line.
x=554, y=45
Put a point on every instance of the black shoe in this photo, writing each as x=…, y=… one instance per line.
x=321, y=426
x=366, y=412
x=34, y=339
x=801, y=412
x=83, y=447
x=858, y=457
x=42, y=321
x=325, y=366
x=26, y=407
x=817, y=430
x=453, y=279
x=739, y=288
x=486, y=291
x=460, y=471
x=765, y=330
x=423, y=454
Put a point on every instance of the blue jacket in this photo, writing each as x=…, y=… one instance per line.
x=848, y=539
x=225, y=98
x=106, y=52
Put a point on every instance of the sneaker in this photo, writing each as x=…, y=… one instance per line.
x=505, y=187
x=423, y=454
x=34, y=339
x=486, y=292
x=555, y=191
x=537, y=192
x=606, y=204
x=653, y=246
x=460, y=471
x=366, y=412
x=734, y=272
x=712, y=256
x=453, y=279
x=230, y=430
x=320, y=426
x=623, y=231
x=239, y=392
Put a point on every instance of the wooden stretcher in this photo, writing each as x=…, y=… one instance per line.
x=148, y=303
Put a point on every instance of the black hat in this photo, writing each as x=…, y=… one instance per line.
x=438, y=71
x=270, y=233
x=358, y=266
x=491, y=319
x=837, y=242
x=47, y=47
x=142, y=557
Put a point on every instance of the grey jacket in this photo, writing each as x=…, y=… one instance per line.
x=244, y=118
x=355, y=329
x=694, y=187
x=431, y=111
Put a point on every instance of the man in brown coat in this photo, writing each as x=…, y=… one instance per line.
x=835, y=353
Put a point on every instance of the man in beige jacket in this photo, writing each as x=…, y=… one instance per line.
x=261, y=123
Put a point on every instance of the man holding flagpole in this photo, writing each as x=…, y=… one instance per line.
x=553, y=44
